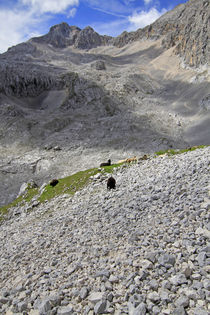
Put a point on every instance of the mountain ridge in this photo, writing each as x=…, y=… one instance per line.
x=185, y=28
x=173, y=25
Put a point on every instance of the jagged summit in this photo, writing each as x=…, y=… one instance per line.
x=62, y=35
x=63, y=28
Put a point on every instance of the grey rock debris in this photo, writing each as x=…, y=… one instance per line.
x=89, y=235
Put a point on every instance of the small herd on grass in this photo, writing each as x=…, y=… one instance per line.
x=111, y=182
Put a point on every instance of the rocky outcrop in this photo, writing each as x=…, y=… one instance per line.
x=99, y=65
x=26, y=80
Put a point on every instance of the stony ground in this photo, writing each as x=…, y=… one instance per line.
x=140, y=249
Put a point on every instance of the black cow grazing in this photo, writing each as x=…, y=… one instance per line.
x=111, y=183
x=106, y=164
x=54, y=182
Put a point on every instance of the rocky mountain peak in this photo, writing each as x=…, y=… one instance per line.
x=63, y=28
x=62, y=35
x=88, y=38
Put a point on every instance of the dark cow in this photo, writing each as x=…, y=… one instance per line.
x=54, y=182
x=111, y=183
x=106, y=164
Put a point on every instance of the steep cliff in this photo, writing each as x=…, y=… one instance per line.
x=186, y=28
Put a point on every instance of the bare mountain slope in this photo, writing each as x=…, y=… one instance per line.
x=186, y=28
x=97, y=97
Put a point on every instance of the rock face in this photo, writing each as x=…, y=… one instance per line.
x=88, y=39
x=95, y=97
x=190, y=33
x=22, y=81
x=186, y=28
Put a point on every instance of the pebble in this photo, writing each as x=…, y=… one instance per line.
x=100, y=307
x=142, y=248
x=66, y=310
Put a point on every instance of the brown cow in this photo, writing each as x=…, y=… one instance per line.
x=133, y=159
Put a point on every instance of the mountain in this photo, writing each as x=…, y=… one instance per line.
x=63, y=35
x=73, y=98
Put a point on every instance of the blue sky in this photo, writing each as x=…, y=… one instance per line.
x=23, y=19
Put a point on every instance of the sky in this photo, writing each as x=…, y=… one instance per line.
x=22, y=19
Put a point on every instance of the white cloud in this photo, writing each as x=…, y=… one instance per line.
x=16, y=27
x=30, y=17
x=147, y=1
x=50, y=6
x=143, y=18
x=127, y=18
x=130, y=23
x=127, y=2
x=72, y=13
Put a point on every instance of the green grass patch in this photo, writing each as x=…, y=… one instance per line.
x=73, y=183
x=110, y=168
x=68, y=185
x=179, y=151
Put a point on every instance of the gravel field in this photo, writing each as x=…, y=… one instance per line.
x=142, y=248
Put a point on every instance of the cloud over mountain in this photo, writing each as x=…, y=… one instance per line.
x=143, y=18
x=23, y=19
